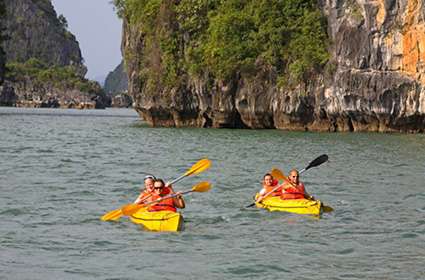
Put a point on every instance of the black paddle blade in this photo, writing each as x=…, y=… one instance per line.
x=248, y=206
x=318, y=161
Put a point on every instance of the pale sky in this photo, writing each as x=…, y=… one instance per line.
x=98, y=30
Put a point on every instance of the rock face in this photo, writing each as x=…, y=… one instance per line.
x=374, y=80
x=44, y=63
x=116, y=82
x=116, y=86
x=379, y=51
x=34, y=31
x=2, y=53
x=7, y=96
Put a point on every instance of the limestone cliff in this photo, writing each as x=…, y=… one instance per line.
x=373, y=80
x=35, y=31
x=116, y=82
x=44, y=66
x=2, y=53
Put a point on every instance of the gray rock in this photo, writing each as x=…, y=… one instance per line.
x=7, y=95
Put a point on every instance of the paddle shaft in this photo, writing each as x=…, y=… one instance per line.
x=168, y=196
x=178, y=179
x=270, y=192
x=133, y=208
x=196, y=168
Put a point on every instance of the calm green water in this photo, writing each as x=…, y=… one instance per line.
x=60, y=170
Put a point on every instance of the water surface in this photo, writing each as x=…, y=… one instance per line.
x=60, y=170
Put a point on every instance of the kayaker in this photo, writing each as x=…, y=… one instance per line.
x=294, y=189
x=269, y=185
x=146, y=193
x=171, y=203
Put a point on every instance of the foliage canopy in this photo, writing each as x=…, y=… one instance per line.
x=228, y=37
x=41, y=74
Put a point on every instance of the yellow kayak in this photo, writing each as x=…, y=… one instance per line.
x=297, y=206
x=158, y=221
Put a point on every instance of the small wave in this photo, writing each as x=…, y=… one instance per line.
x=103, y=243
x=414, y=195
x=45, y=151
x=15, y=212
x=409, y=235
x=256, y=270
x=80, y=194
x=346, y=251
x=208, y=221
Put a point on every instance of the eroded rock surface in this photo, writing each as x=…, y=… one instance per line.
x=374, y=79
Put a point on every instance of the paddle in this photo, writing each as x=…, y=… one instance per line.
x=197, y=168
x=327, y=209
x=316, y=162
x=130, y=209
x=112, y=215
x=279, y=174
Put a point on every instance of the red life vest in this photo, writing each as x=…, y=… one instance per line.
x=166, y=190
x=164, y=205
x=292, y=192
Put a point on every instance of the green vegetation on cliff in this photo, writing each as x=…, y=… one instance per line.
x=41, y=75
x=2, y=53
x=227, y=38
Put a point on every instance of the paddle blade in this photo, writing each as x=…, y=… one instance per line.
x=130, y=209
x=201, y=187
x=277, y=174
x=112, y=215
x=318, y=161
x=327, y=209
x=198, y=167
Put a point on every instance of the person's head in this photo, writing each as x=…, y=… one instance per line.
x=268, y=180
x=294, y=176
x=158, y=186
x=149, y=182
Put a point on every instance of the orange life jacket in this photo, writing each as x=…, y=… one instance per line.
x=144, y=197
x=292, y=192
x=276, y=192
x=164, y=205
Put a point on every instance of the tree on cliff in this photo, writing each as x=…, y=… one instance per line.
x=63, y=21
